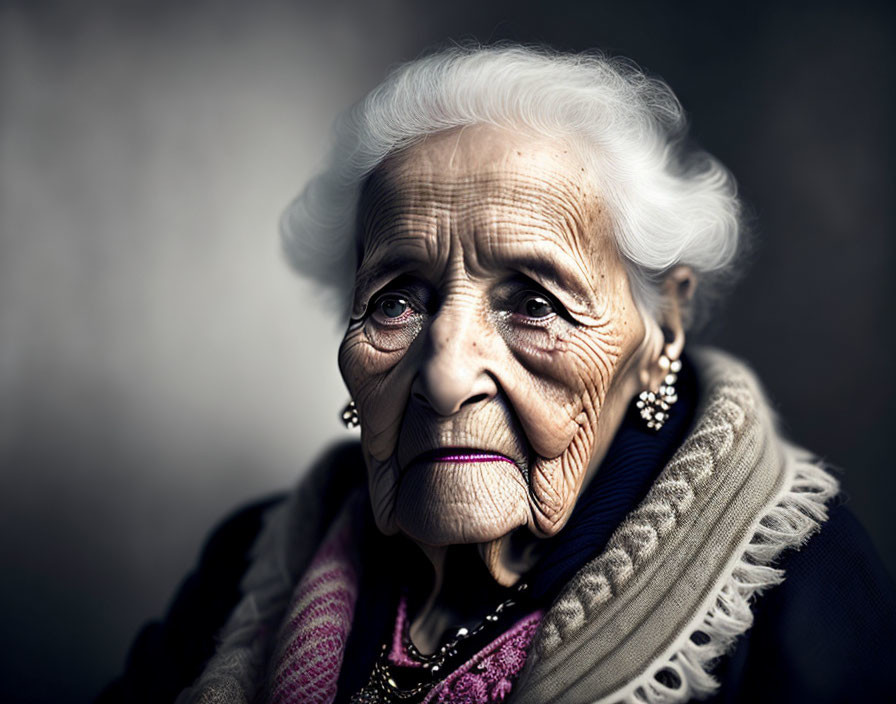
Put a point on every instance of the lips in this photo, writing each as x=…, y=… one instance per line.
x=485, y=434
x=460, y=455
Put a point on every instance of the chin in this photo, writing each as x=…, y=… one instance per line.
x=441, y=505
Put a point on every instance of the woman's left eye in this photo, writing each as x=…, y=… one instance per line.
x=536, y=306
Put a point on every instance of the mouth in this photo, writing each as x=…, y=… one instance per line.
x=460, y=455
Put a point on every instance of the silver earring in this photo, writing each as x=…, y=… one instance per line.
x=655, y=407
x=350, y=417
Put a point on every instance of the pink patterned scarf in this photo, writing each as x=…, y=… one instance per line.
x=311, y=643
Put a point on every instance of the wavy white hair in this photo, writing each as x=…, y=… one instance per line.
x=669, y=202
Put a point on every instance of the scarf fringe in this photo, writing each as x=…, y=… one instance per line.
x=685, y=674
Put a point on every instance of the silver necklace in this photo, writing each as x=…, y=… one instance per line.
x=391, y=683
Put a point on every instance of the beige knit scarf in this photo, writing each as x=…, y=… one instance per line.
x=643, y=621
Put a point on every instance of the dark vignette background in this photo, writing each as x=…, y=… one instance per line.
x=158, y=365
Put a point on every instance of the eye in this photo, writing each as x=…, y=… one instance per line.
x=535, y=305
x=393, y=308
x=391, y=305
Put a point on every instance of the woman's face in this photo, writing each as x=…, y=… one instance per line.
x=494, y=343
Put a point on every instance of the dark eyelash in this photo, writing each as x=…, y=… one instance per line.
x=417, y=295
x=533, y=287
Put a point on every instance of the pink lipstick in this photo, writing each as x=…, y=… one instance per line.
x=462, y=455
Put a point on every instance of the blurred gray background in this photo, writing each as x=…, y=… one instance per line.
x=159, y=365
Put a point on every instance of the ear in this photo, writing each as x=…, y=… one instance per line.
x=678, y=288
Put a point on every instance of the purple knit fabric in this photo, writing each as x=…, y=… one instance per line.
x=489, y=675
x=312, y=640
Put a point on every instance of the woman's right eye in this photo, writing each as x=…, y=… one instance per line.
x=391, y=308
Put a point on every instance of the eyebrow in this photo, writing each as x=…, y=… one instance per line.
x=555, y=273
x=372, y=276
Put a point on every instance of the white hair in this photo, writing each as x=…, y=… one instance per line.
x=670, y=203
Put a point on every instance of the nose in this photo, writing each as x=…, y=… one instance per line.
x=455, y=367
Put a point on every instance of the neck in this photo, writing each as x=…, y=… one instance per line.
x=464, y=590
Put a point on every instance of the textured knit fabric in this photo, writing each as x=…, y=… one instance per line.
x=628, y=615
x=293, y=531
x=669, y=593
x=311, y=642
x=837, y=597
x=487, y=677
x=310, y=646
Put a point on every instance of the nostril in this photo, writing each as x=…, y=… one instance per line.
x=474, y=399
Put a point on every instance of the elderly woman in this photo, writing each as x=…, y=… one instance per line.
x=554, y=498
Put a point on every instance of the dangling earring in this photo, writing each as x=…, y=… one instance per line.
x=350, y=417
x=655, y=406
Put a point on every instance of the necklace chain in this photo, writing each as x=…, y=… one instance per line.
x=384, y=686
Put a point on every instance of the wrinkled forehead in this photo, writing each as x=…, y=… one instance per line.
x=510, y=189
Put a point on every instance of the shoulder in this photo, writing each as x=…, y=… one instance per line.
x=167, y=655
x=827, y=633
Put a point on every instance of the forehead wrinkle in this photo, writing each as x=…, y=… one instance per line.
x=506, y=202
x=558, y=199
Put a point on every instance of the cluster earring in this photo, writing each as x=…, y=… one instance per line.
x=350, y=417
x=654, y=406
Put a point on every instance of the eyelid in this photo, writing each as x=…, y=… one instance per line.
x=413, y=291
x=530, y=287
x=412, y=300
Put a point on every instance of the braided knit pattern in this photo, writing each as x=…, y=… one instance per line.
x=645, y=621
x=685, y=673
x=638, y=536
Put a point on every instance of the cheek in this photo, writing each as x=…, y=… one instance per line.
x=565, y=421
x=565, y=387
x=373, y=373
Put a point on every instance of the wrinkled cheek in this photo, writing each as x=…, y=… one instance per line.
x=380, y=392
x=360, y=362
x=557, y=479
x=555, y=483
x=570, y=386
x=563, y=456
